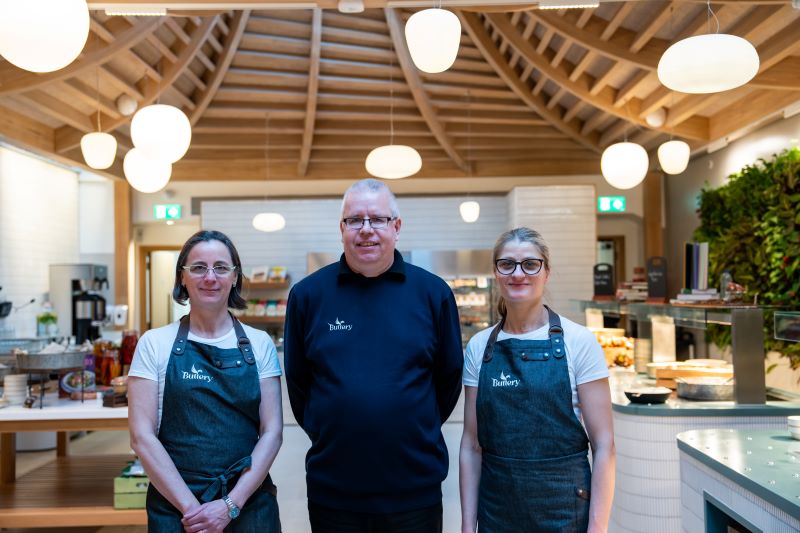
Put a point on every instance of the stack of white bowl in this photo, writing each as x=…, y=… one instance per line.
x=794, y=426
x=15, y=389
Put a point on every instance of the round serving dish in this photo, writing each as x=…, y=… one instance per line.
x=49, y=361
x=712, y=389
x=648, y=394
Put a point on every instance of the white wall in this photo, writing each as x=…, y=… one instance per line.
x=683, y=190
x=632, y=228
x=96, y=225
x=566, y=218
x=38, y=226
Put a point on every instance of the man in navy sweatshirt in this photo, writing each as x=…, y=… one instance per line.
x=373, y=364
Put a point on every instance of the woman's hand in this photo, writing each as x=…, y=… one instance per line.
x=211, y=517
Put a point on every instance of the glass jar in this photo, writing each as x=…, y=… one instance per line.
x=128, y=347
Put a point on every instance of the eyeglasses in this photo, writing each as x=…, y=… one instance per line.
x=199, y=271
x=374, y=222
x=530, y=266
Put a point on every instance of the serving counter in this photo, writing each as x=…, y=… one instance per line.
x=70, y=491
x=648, y=486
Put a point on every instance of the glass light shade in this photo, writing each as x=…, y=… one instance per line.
x=162, y=131
x=708, y=64
x=269, y=222
x=470, y=211
x=43, y=35
x=99, y=149
x=393, y=161
x=673, y=156
x=433, y=36
x=624, y=165
x=126, y=105
x=144, y=173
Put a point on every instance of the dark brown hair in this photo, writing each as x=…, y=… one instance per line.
x=179, y=292
x=521, y=234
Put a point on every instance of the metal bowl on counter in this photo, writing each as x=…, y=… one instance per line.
x=705, y=388
x=40, y=362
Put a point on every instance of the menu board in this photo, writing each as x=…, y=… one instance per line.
x=657, y=278
x=604, y=281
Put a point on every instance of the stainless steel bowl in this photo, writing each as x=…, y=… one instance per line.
x=49, y=361
x=705, y=388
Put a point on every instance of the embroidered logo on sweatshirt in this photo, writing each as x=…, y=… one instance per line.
x=506, y=380
x=339, y=325
x=197, y=375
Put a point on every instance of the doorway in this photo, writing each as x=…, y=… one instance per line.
x=611, y=250
x=156, y=281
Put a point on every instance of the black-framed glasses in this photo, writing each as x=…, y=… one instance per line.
x=374, y=222
x=530, y=266
x=199, y=270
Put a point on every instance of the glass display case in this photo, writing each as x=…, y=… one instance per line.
x=476, y=299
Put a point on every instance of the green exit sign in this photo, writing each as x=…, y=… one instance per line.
x=167, y=211
x=610, y=204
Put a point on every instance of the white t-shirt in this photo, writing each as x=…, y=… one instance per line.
x=585, y=359
x=154, y=349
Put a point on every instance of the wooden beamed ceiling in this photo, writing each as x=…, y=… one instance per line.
x=307, y=93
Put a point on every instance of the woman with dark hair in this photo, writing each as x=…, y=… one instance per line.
x=528, y=382
x=205, y=403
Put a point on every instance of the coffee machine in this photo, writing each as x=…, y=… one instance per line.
x=78, y=293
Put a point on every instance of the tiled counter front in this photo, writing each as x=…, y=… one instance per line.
x=753, y=477
x=647, y=498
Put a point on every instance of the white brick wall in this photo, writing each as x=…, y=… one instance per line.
x=38, y=226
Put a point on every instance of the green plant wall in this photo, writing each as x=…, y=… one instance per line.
x=752, y=225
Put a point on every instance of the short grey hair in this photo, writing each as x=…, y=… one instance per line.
x=374, y=186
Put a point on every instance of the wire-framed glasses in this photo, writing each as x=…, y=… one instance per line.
x=530, y=266
x=199, y=270
x=374, y=222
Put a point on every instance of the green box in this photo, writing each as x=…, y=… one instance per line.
x=135, y=500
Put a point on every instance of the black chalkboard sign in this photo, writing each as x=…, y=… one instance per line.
x=604, y=280
x=657, y=278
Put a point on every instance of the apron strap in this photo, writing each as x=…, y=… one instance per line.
x=487, y=352
x=220, y=483
x=244, y=343
x=179, y=345
x=556, y=333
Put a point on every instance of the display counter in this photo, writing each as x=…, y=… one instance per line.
x=70, y=491
x=648, y=490
x=741, y=479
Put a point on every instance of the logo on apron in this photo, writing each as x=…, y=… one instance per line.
x=197, y=374
x=506, y=380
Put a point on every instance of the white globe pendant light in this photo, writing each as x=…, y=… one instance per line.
x=99, y=149
x=673, y=156
x=708, y=64
x=433, y=36
x=624, y=165
x=162, y=132
x=269, y=222
x=470, y=211
x=144, y=173
x=393, y=161
x=43, y=35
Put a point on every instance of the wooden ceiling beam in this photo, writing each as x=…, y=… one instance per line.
x=620, y=128
x=313, y=88
x=90, y=96
x=59, y=110
x=659, y=15
x=418, y=90
x=231, y=45
x=753, y=107
x=151, y=90
x=573, y=111
x=781, y=76
x=530, y=25
x=480, y=38
x=579, y=88
x=106, y=35
x=127, y=39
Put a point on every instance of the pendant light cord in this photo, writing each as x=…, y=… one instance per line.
x=391, y=93
x=711, y=14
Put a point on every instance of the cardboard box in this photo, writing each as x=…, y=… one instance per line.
x=130, y=492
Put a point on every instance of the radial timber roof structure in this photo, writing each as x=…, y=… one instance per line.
x=307, y=93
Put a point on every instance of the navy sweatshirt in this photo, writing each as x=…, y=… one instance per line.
x=373, y=367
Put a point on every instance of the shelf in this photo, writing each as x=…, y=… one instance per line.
x=68, y=492
x=266, y=285
x=247, y=319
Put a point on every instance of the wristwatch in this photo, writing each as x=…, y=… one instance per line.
x=233, y=509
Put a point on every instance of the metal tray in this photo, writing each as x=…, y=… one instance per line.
x=29, y=345
x=49, y=361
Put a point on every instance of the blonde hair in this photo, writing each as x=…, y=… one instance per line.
x=521, y=234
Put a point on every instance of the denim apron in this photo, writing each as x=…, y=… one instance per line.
x=535, y=475
x=210, y=424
